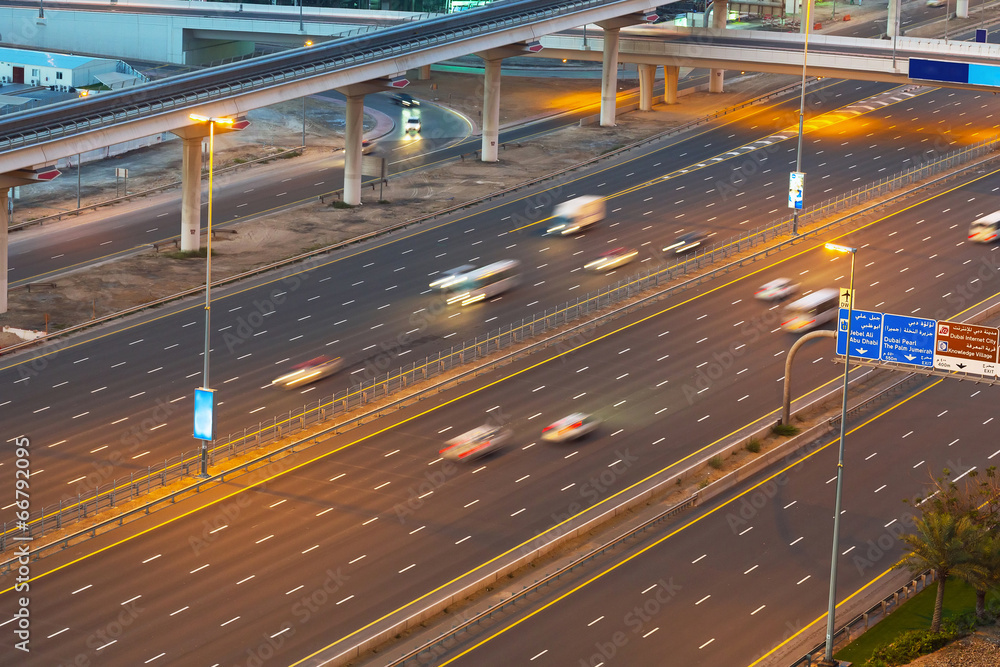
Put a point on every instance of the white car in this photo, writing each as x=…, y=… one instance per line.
x=452, y=278
x=777, y=289
x=308, y=371
x=612, y=259
x=412, y=124
x=478, y=442
x=937, y=3
x=570, y=427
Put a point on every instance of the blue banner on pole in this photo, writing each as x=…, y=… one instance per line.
x=204, y=414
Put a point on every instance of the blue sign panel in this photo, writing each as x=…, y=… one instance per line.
x=908, y=340
x=204, y=413
x=866, y=333
x=939, y=70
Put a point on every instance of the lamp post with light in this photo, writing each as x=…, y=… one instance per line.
x=802, y=113
x=832, y=608
x=208, y=264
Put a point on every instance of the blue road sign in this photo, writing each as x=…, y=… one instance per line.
x=866, y=333
x=908, y=340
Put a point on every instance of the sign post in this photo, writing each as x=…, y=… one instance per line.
x=966, y=348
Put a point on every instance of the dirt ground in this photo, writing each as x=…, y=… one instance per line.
x=116, y=285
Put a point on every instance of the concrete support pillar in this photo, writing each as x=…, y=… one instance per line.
x=491, y=110
x=807, y=8
x=961, y=9
x=720, y=11
x=4, y=205
x=352, y=148
x=893, y=18
x=609, y=77
x=424, y=73
x=647, y=78
x=671, y=75
x=191, y=194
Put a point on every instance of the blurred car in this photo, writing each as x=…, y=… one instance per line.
x=776, y=290
x=478, y=442
x=452, y=278
x=936, y=3
x=612, y=259
x=412, y=125
x=405, y=100
x=686, y=242
x=367, y=145
x=570, y=427
x=309, y=371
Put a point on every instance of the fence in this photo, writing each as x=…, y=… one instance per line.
x=383, y=386
x=860, y=623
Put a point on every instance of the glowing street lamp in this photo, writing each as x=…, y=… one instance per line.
x=206, y=428
x=832, y=608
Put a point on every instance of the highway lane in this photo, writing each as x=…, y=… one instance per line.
x=527, y=488
x=126, y=408
x=726, y=585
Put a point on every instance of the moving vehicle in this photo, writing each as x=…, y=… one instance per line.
x=405, y=100
x=811, y=311
x=985, y=229
x=486, y=282
x=309, y=371
x=686, y=242
x=570, y=427
x=478, y=442
x=937, y=3
x=367, y=145
x=776, y=290
x=412, y=124
x=452, y=279
x=573, y=215
x=612, y=259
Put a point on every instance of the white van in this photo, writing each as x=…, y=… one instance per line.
x=811, y=311
x=571, y=216
x=985, y=229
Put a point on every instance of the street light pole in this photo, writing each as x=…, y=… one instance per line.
x=301, y=25
x=832, y=608
x=802, y=113
x=208, y=264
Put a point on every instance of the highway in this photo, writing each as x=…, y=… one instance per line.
x=357, y=518
x=725, y=585
x=39, y=253
x=121, y=398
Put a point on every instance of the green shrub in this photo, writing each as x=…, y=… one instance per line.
x=907, y=647
x=784, y=429
x=715, y=462
x=703, y=483
x=753, y=446
x=339, y=204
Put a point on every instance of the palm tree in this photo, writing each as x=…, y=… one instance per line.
x=985, y=554
x=941, y=543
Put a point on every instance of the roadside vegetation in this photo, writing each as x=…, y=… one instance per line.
x=957, y=537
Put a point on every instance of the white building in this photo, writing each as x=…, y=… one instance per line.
x=37, y=68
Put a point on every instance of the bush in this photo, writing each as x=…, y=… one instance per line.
x=715, y=462
x=753, y=446
x=909, y=646
x=339, y=204
x=784, y=429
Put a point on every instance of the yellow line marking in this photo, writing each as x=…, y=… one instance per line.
x=663, y=539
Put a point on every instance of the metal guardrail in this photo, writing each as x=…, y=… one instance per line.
x=381, y=387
